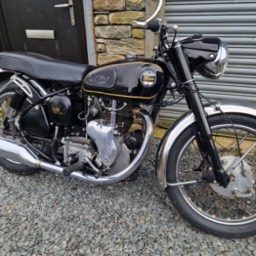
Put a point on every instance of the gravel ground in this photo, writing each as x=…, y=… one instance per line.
x=47, y=214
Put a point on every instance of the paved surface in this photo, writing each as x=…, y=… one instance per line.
x=46, y=214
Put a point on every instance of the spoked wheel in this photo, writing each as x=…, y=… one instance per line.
x=230, y=211
x=11, y=166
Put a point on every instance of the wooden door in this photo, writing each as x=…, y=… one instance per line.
x=44, y=26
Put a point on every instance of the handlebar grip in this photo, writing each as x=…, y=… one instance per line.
x=153, y=25
x=139, y=24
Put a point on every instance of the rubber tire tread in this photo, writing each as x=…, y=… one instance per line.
x=180, y=204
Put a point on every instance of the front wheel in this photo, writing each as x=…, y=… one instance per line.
x=228, y=212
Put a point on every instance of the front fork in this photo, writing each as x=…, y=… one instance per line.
x=195, y=104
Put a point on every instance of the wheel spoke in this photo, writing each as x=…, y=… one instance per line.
x=216, y=206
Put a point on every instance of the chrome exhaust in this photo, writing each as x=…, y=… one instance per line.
x=23, y=155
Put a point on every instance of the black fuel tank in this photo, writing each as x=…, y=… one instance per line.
x=137, y=80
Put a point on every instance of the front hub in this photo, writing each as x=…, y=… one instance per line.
x=241, y=179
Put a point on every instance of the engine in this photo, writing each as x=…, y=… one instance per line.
x=95, y=136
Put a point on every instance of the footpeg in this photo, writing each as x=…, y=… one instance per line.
x=72, y=168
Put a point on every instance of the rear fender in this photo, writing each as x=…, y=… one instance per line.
x=5, y=75
x=184, y=122
x=29, y=86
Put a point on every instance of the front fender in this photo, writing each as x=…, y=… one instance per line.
x=185, y=121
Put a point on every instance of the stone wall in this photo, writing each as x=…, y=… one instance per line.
x=115, y=36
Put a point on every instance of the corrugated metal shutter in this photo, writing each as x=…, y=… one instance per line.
x=235, y=23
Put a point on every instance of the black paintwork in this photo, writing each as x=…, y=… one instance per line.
x=44, y=67
x=18, y=99
x=124, y=80
x=35, y=122
x=60, y=109
x=202, y=128
x=198, y=50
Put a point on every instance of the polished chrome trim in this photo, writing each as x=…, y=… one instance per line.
x=40, y=34
x=88, y=161
x=62, y=5
x=38, y=87
x=6, y=71
x=17, y=153
x=21, y=154
x=182, y=183
x=23, y=85
x=243, y=156
x=143, y=24
x=71, y=10
x=51, y=167
x=181, y=124
x=177, y=44
x=190, y=80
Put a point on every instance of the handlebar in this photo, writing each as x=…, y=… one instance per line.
x=146, y=24
x=153, y=25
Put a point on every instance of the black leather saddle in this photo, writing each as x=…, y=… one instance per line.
x=44, y=67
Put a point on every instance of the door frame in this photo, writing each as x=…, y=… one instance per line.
x=87, y=30
x=90, y=31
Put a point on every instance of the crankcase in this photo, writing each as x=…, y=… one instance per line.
x=105, y=140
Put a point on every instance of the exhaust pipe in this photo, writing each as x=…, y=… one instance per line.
x=23, y=155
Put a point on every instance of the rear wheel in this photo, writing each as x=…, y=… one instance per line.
x=228, y=212
x=5, y=98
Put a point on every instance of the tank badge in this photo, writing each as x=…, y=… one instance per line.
x=100, y=79
x=148, y=78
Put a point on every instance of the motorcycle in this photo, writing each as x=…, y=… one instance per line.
x=89, y=123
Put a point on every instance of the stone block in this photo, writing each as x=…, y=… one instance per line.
x=101, y=19
x=125, y=17
x=124, y=46
x=114, y=5
x=104, y=58
x=135, y=5
x=101, y=48
x=113, y=32
x=138, y=33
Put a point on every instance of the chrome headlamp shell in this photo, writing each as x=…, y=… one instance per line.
x=216, y=68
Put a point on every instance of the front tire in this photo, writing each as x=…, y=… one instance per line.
x=215, y=211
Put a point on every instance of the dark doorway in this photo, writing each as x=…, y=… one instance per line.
x=50, y=27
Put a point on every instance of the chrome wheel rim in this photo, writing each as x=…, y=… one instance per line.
x=202, y=198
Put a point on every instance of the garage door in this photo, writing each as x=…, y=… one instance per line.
x=235, y=23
